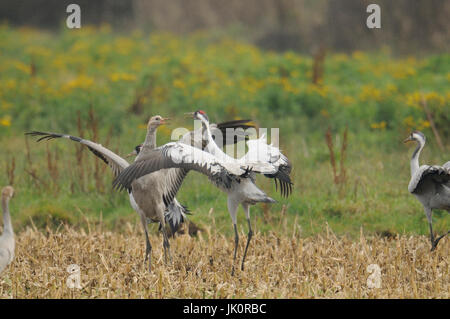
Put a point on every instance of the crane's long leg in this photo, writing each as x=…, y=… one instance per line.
x=232, y=209
x=434, y=241
x=250, y=232
x=166, y=244
x=236, y=243
x=429, y=213
x=148, y=246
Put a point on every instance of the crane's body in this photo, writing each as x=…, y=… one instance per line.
x=429, y=184
x=7, y=241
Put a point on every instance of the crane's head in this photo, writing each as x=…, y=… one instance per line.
x=199, y=115
x=7, y=192
x=136, y=151
x=157, y=120
x=416, y=136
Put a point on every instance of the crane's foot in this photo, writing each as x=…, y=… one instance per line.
x=434, y=242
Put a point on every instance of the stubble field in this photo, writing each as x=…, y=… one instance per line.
x=323, y=266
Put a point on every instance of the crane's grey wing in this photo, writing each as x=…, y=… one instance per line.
x=435, y=173
x=172, y=183
x=178, y=155
x=268, y=160
x=113, y=160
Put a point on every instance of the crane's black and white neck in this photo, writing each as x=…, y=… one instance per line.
x=419, y=137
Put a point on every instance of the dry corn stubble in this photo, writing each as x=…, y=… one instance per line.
x=278, y=266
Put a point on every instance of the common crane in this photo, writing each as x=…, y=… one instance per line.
x=429, y=184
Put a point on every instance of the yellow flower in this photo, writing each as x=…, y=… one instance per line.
x=409, y=122
x=347, y=100
x=81, y=82
x=22, y=67
x=369, y=92
x=11, y=84
x=321, y=90
x=123, y=45
x=38, y=51
x=358, y=55
x=380, y=126
x=5, y=120
x=122, y=77
x=424, y=124
x=179, y=84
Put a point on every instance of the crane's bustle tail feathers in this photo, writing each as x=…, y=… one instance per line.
x=175, y=215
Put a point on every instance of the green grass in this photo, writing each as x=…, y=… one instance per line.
x=46, y=79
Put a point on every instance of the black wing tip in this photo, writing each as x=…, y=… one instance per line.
x=285, y=182
x=186, y=210
x=44, y=135
x=235, y=123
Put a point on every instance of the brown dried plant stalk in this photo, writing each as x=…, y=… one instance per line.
x=10, y=168
x=341, y=178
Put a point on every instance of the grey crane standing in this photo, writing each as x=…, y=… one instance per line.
x=429, y=184
x=7, y=242
x=236, y=177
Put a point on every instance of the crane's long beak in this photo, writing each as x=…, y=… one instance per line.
x=408, y=139
x=164, y=120
x=189, y=114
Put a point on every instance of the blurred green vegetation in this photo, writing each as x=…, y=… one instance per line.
x=104, y=86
